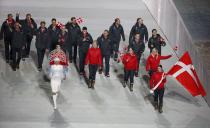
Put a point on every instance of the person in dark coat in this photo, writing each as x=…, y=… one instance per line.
x=116, y=32
x=159, y=91
x=94, y=59
x=74, y=32
x=28, y=26
x=63, y=38
x=6, y=33
x=84, y=42
x=105, y=45
x=139, y=28
x=53, y=33
x=156, y=41
x=138, y=47
x=18, y=44
x=130, y=66
x=41, y=43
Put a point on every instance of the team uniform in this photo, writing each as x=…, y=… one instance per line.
x=153, y=62
x=94, y=59
x=130, y=66
x=159, y=91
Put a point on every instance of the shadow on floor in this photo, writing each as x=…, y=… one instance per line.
x=58, y=121
x=177, y=96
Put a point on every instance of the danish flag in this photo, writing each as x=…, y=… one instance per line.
x=185, y=73
x=80, y=20
x=60, y=25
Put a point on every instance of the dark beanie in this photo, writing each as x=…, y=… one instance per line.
x=84, y=28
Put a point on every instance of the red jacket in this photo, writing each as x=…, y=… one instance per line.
x=154, y=61
x=130, y=61
x=156, y=77
x=93, y=56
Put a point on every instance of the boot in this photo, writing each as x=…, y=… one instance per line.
x=136, y=74
x=14, y=67
x=131, y=87
x=100, y=71
x=17, y=66
x=54, y=100
x=93, y=84
x=156, y=105
x=124, y=84
x=160, y=109
x=90, y=83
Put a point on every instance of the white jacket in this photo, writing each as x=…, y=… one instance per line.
x=57, y=72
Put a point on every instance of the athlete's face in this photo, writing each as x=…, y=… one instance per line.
x=54, y=23
x=154, y=52
x=58, y=47
x=154, y=33
x=137, y=37
x=10, y=17
x=74, y=21
x=140, y=21
x=105, y=34
x=28, y=17
x=130, y=50
x=160, y=69
x=118, y=22
x=42, y=25
x=95, y=44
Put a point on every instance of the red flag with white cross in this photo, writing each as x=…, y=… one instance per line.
x=185, y=73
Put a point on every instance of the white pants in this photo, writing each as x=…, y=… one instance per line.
x=55, y=85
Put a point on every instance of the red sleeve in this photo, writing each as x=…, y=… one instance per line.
x=164, y=80
x=165, y=57
x=151, y=81
x=87, y=57
x=124, y=59
x=148, y=64
x=99, y=57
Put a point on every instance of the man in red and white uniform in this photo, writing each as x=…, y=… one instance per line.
x=157, y=83
x=153, y=61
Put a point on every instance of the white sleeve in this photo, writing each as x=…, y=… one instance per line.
x=50, y=71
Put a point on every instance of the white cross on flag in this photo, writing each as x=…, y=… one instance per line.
x=185, y=73
x=80, y=20
x=60, y=25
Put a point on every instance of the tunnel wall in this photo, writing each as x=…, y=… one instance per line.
x=169, y=20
